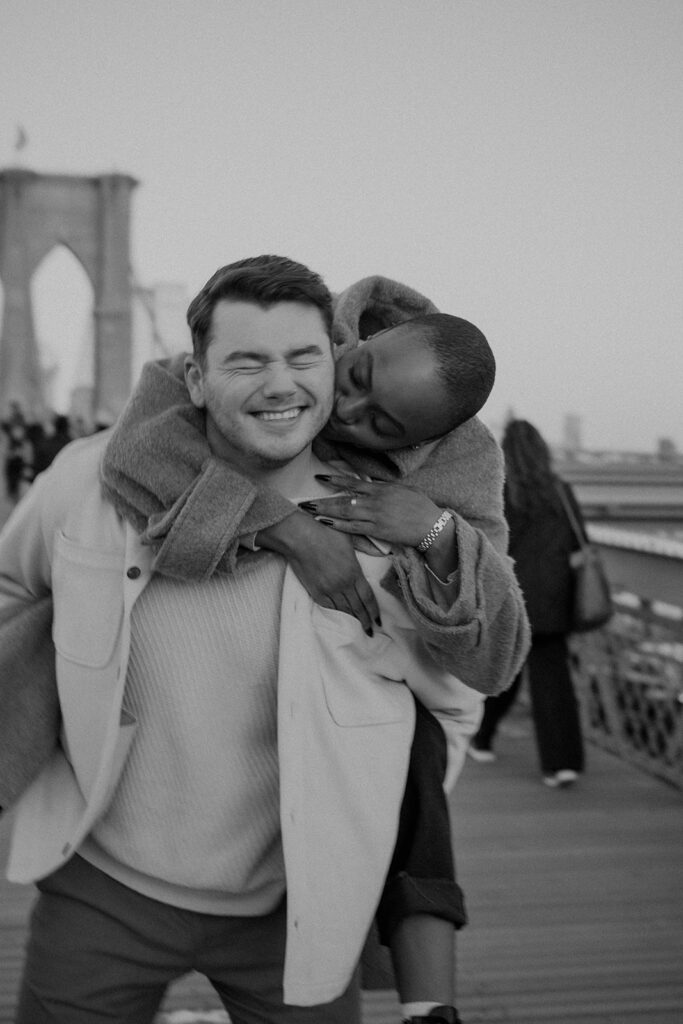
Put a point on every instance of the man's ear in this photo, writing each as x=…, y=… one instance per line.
x=194, y=379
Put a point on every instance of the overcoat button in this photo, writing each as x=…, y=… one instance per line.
x=133, y=572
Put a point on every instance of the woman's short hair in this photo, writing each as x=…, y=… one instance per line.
x=465, y=359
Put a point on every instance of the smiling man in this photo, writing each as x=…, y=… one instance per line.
x=264, y=376
x=155, y=832
x=232, y=763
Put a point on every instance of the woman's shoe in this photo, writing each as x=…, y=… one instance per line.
x=562, y=778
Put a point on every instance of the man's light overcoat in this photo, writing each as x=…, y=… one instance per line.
x=345, y=717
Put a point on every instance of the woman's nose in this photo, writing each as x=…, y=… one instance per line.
x=349, y=408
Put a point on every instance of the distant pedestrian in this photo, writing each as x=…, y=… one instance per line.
x=18, y=453
x=49, y=443
x=541, y=541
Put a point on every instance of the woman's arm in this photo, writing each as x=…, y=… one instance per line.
x=483, y=635
x=395, y=513
x=473, y=621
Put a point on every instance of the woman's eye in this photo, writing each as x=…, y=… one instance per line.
x=355, y=380
x=382, y=428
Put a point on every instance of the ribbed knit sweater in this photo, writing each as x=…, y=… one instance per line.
x=194, y=821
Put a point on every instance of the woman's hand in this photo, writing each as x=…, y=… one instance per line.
x=325, y=563
x=391, y=512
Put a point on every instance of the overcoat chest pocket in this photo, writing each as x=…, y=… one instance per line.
x=362, y=681
x=88, y=605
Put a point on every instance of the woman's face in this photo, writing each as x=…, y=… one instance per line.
x=388, y=393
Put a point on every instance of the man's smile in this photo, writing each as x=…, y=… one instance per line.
x=280, y=414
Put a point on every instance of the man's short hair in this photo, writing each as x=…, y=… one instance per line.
x=263, y=280
x=465, y=359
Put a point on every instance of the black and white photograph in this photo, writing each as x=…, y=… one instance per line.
x=341, y=512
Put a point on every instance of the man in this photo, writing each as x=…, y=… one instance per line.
x=232, y=757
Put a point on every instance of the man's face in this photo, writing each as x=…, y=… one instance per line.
x=266, y=383
x=389, y=394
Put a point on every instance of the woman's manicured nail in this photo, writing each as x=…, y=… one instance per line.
x=321, y=476
x=308, y=506
x=322, y=519
x=369, y=631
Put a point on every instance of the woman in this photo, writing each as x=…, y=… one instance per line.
x=541, y=541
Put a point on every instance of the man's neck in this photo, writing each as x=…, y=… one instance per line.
x=295, y=480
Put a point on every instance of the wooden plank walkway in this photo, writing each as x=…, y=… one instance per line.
x=575, y=896
x=575, y=900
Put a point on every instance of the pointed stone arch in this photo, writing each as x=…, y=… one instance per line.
x=63, y=304
x=91, y=217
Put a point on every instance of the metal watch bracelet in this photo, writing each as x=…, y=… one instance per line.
x=436, y=529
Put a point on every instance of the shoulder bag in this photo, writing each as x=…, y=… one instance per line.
x=592, y=605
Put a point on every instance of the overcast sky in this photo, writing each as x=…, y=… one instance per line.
x=518, y=161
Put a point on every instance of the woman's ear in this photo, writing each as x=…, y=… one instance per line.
x=194, y=379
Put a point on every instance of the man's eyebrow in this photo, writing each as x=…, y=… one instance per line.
x=261, y=357
x=234, y=357
x=306, y=350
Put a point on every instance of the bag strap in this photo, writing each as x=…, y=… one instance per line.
x=571, y=515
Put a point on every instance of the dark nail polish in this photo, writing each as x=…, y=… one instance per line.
x=378, y=622
x=308, y=506
x=321, y=476
x=369, y=631
x=327, y=522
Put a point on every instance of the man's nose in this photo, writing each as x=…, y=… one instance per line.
x=349, y=408
x=278, y=380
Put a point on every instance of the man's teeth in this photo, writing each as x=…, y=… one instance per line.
x=286, y=414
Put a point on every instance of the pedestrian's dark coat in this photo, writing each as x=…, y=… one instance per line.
x=541, y=542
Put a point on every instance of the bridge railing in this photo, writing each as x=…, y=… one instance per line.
x=629, y=675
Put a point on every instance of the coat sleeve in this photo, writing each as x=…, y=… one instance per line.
x=159, y=474
x=483, y=636
x=201, y=531
x=29, y=705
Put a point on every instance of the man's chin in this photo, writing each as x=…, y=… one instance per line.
x=270, y=460
x=279, y=454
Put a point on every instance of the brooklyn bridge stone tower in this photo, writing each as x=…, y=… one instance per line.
x=91, y=217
